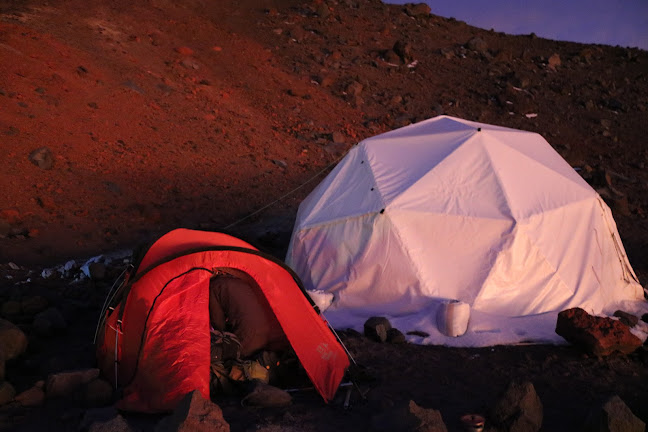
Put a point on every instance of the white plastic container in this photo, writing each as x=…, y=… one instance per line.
x=453, y=317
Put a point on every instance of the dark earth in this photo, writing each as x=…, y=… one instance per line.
x=122, y=120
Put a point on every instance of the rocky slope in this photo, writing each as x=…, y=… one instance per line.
x=121, y=120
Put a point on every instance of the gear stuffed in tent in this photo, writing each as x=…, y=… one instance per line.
x=160, y=314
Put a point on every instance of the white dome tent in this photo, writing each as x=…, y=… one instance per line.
x=448, y=209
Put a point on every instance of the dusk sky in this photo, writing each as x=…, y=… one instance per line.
x=610, y=22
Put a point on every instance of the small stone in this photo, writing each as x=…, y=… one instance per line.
x=7, y=393
x=97, y=271
x=477, y=44
x=354, y=89
x=613, y=416
x=404, y=50
x=64, y=384
x=391, y=57
x=97, y=393
x=30, y=306
x=97, y=415
x=338, y=138
x=376, y=328
x=554, y=61
x=11, y=309
x=185, y=51
x=190, y=64
x=395, y=336
x=48, y=322
x=196, y=414
x=34, y=396
x=13, y=342
x=265, y=395
x=418, y=333
x=43, y=158
x=326, y=81
x=117, y=424
x=518, y=409
x=627, y=318
x=407, y=417
x=417, y=9
x=323, y=10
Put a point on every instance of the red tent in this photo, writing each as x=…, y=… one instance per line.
x=154, y=341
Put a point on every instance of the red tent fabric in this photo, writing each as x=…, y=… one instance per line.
x=154, y=342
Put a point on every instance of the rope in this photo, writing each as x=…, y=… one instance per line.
x=286, y=194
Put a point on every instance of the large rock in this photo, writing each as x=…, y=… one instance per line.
x=194, y=414
x=377, y=328
x=519, y=409
x=406, y=417
x=65, y=384
x=613, y=416
x=13, y=341
x=599, y=336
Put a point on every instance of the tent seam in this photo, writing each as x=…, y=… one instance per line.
x=524, y=155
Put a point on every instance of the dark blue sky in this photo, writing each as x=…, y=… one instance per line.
x=610, y=22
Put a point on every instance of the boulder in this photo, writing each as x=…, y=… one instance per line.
x=65, y=384
x=613, y=416
x=408, y=417
x=194, y=414
x=13, y=342
x=376, y=328
x=7, y=393
x=518, y=409
x=599, y=336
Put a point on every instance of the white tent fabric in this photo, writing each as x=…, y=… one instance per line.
x=448, y=209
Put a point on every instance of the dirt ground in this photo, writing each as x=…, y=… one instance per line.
x=121, y=120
